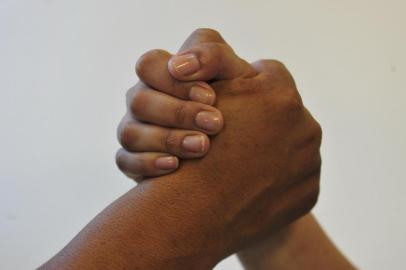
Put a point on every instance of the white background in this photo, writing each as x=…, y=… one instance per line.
x=65, y=67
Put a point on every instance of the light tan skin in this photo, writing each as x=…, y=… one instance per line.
x=301, y=245
x=261, y=173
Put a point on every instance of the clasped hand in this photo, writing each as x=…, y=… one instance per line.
x=238, y=132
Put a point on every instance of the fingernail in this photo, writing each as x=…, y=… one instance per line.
x=202, y=95
x=166, y=163
x=194, y=143
x=210, y=121
x=185, y=64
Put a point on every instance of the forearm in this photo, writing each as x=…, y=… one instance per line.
x=302, y=245
x=153, y=226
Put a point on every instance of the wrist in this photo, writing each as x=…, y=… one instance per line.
x=302, y=245
x=277, y=251
x=181, y=214
x=160, y=224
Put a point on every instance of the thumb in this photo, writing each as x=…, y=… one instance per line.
x=206, y=56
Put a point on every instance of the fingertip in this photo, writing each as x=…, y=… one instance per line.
x=182, y=66
x=208, y=61
x=210, y=121
x=119, y=158
x=167, y=163
x=196, y=144
x=148, y=62
x=202, y=92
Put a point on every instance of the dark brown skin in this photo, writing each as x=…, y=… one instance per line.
x=301, y=245
x=261, y=173
x=268, y=136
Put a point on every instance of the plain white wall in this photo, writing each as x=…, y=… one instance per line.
x=65, y=67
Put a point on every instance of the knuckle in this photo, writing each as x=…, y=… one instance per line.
x=315, y=132
x=216, y=50
x=212, y=58
x=138, y=102
x=275, y=74
x=180, y=114
x=289, y=101
x=143, y=64
x=130, y=94
x=141, y=165
x=312, y=195
x=275, y=64
x=212, y=55
x=315, y=165
x=240, y=85
x=178, y=88
x=208, y=33
x=271, y=65
x=121, y=160
x=128, y=136
x=170, y=141
x=133, y=165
